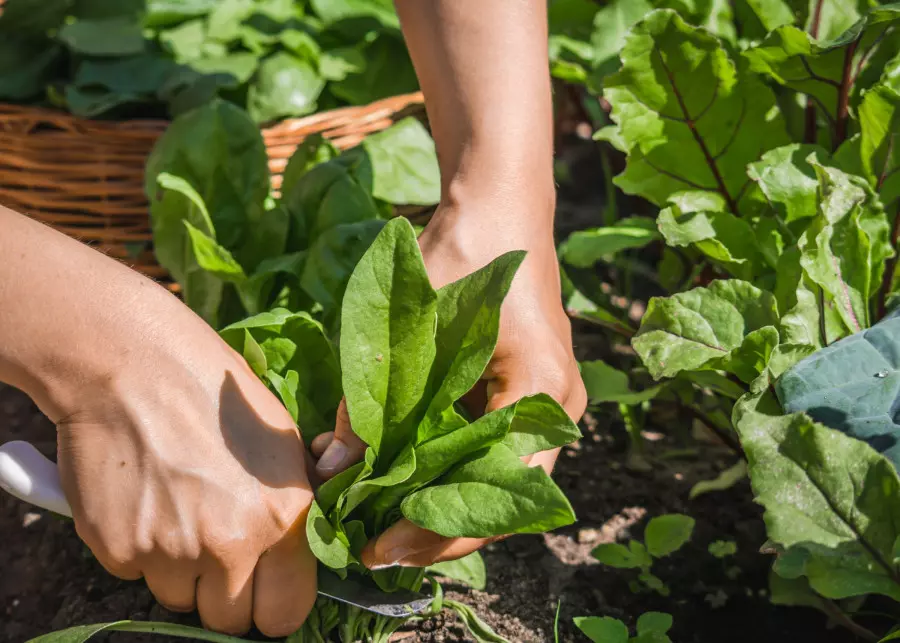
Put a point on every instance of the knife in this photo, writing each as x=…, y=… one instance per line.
x=28, y=475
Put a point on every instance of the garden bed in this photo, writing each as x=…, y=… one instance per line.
x=50, y=580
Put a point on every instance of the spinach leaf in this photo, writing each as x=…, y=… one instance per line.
x=220, y=152
x=489, y=494
x=387, y=340
x=468, y=569
x=285, y=86
x=468, y=323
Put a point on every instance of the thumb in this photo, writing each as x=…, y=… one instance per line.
x=345, y=448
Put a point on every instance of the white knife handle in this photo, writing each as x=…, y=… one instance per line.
x=29, y=476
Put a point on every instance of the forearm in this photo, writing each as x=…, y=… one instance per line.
x=483, y=68
x=59, y=301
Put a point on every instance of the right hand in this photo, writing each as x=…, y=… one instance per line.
x=182, y=468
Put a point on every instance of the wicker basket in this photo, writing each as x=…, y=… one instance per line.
x=85, y=178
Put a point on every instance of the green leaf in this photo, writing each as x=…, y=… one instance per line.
x=650, y=622
x=399, y=165
x=212, y=257
x=338, y=63
x=792, y=57
x=602, y=629
x=311, y=152
x=436, y=456
x=330, y=546
x=32, y=18
x=478, y=629
x=489, y=494
x=725, y=480
x=285, y=85
x=690, y=118
x=723, y=548
x=539, y=424
x=634, y=556
x=112, y=37
x=611, y=26
x=667, y=534
x=400, y=471
x=713, y=327
x=844, y=248
x=721, y=236
x=468, y=324
x=387, y=340
x=331, y=259
x=830, y=498
x=388, y=72
x=788, y=180
x=468, y=569
x=81, y=633
x=223, y=22
x=177, y=204
x=794, y=592
x=296, y=343
x=26, y=67
x=336, y=10
x=220, y=152
x=852, y=386
x=879, y=121
x=586, y=247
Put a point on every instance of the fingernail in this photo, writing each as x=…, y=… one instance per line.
x=334, y=458
x=395, y=556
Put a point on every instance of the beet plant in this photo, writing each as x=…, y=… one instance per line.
x=771, y=159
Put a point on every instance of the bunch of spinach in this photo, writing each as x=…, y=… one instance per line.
x=771, y=159
x=235, y=250
x=407, y=354
x=277, y=58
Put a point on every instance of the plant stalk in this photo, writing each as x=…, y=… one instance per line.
x=840, y=617
x=810, y=124
x=888, y=279
x=843, y=104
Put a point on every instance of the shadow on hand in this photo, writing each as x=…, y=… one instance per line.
x=273, y=454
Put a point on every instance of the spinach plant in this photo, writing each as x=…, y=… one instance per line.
x=664, y=535
x=771, y=159
x=405, y=357
x=277, y=58
x=235, y=250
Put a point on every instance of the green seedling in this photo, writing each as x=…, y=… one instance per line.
x=663, y=536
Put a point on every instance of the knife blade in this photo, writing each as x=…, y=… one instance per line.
x=26, y=474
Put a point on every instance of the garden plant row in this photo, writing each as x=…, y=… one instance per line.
x=769, y=155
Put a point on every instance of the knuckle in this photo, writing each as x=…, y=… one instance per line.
x=286, y=508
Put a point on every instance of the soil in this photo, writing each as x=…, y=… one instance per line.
x=48, y=579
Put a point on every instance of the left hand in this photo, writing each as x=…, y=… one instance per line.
x=533, y=353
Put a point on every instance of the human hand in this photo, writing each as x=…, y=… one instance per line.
x=182, y=468
x=533, y=353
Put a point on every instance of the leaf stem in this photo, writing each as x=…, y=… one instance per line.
x=727, y=438
x=175, y=630
x=691, y=123
x=840, y=617
x=843, y=105
x=887, y=280
x=809, y=134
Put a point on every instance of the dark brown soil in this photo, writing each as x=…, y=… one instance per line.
x=48, y=580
